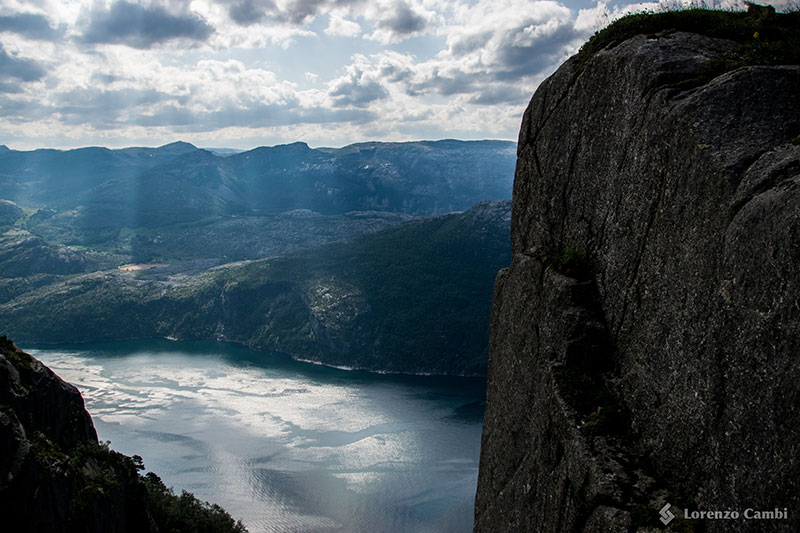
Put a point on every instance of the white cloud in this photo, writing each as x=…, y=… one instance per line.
x=342, y=27
x=247, y=69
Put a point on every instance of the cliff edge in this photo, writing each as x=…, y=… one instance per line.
x=646, y=338
x=56, y=477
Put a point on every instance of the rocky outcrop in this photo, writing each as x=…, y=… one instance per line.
x=644, y=345
x=9, y=212
x=53, y=474
x=56, y=477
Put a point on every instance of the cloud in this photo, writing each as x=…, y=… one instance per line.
x=398, y=22
x=294, y=12
x=402, y=20
x=445, y=82
x=103, y=108
x=302, y=11
x=29, y=25
x=359, y=87
x=341, y=27
x=143, y=27
x=455, y=68
x=14, y=70
x=248, y=12
x=532, y=51
x=357, y=93
x=512, y=38
x=258, y=116
x=17, y=110
x=495, y=52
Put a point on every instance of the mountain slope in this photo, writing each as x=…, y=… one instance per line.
x=409, y=299
x=55, y=178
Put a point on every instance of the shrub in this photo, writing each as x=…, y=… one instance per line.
x=766, y=41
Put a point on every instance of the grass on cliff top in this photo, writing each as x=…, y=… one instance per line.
x=772, y=40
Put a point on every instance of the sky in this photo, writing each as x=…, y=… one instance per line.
x=247, y=73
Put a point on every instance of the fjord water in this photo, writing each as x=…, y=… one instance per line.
x=283, y=445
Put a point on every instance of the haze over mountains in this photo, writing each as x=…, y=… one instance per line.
x=412, y=299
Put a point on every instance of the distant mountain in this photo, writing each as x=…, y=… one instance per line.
x=223, y=152
x=414, y=298
x=97, y=192
x=324, y=254
x=57, y=178
x=419, y=178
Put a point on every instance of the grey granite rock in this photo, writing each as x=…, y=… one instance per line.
x=684, y=207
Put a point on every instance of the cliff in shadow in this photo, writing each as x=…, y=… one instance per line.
x=56, y=477
x=645, y=339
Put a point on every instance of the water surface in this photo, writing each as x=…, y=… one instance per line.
x=282, y=445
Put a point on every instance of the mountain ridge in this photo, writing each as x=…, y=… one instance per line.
x=96, y=197
x=413, y=298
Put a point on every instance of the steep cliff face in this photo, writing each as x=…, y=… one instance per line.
x=645, y=338
x=55, y=476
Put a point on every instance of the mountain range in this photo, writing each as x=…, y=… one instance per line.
x=341, y=256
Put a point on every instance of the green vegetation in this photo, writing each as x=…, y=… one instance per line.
x=44, y=448
x=100, y=472
x=185, y=513
x=773, y=40
x=414, y=298
x=89, y=486
x=643, y=516
x=569, y=261
x=20, y=360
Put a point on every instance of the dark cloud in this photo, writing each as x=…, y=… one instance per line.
x=394, y=73
x=247, y=12
x=301, y=11
x=103, y=108
x=30, y=25
x=168, y=115
x=402, y=20
x=446, y=85
x=6, y=87
x=142, y=27
x=297, y=12
x=19, y=110
x=357, y=93
x=466, y=44
x=515, y=61
x=14, y=70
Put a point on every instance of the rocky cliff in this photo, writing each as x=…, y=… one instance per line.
x=44, y=430
x=56, y=477
x=645, y=339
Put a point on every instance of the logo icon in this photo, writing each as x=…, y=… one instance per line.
x=666, y=515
